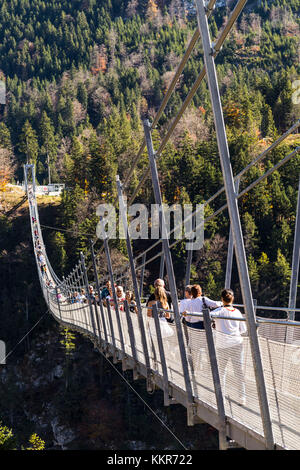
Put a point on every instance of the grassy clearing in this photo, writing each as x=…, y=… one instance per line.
x=13, y=196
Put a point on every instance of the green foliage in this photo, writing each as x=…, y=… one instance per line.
x=7, y=439
x=36, y=443
x=68, y=341
x=28, y=144
x=81, y=77
x=9, y=442
x=48, y=141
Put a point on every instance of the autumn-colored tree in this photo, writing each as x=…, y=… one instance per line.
x=7, y=168
x=7, y=439
x=36, y=443
x=152, y=10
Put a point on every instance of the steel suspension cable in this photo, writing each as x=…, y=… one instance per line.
x=25, y=336
x=169, y=92
x=167, y=96
x=144, y=402
x=222, y=208
x=238, y=176
x=218, y=45
x=234, y=15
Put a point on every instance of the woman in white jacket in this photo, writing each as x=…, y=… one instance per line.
x=196, y=305
x=229, y=341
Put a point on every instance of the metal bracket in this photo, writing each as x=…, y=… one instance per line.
x=173, y=401
x=135, y=373
x=115, y=357
x=191, y=414
x=150, y=382
x=125, y=363
x=231, y=444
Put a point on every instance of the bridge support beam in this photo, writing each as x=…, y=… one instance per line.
x=234, y=212
x=135, y=284
x=295, y=262
x=112, y=281
x=189, y=262
x=230, y=247
x=87, y=293
x=131, y=333
x=142, y=274
x=98, y=291
x=168, y=261
x=58, y=302
x=162, y=355
x=216, y=379
x=112, y=333
x=162, y=267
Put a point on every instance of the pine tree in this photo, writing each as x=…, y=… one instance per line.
x=7, y=439
x=28, y=145
x=82, y=95
x=36, y=443
x=102, y=168
x=253, y=271
x=268, y=127
x=5, y=137
x=49, y=144
x=281, y=276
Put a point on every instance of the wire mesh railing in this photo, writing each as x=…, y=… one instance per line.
x=255, y=384
x=281, y=359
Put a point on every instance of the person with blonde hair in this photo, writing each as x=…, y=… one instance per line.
x=131, y=302
x=161, y=298
x=161, y=283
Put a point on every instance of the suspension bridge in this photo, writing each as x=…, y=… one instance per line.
x=185, y=363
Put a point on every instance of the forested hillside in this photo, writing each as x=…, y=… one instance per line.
x=81, y=76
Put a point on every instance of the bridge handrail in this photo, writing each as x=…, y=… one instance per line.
x=258, y=320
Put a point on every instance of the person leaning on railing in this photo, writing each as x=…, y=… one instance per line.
x=196, y=305
x=161, y=298
x=229, y=341
x=131, y=302
x=106, y=290
x=151, y=300
x=184, y=303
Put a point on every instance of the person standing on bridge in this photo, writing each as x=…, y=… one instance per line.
x=161, y=298
x=131, y=302
x=106, y=291
x=120, y=297
x=161, y=283
x=229, y=341
x=184, y=304
x=196, y=305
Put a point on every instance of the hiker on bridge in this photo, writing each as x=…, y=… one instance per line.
x=131, y=302
x=106, y=291
x=185, y=303
x=161, y=283
x=160, y=296
x=196, y=305
x=229, y=341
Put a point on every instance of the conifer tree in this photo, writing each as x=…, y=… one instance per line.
x=5, y=137
x=268, y=127
x=28, y=144
x=48, y=141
